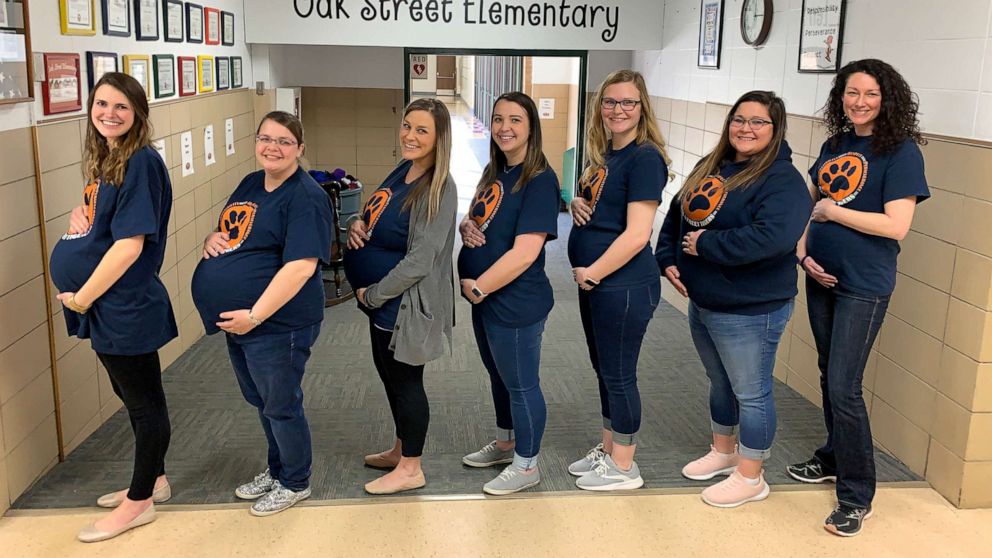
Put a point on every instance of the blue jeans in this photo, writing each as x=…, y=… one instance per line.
x=844, y=327
x=738, y=352
x=614, y=322
x=270, y=369
x=512, y=355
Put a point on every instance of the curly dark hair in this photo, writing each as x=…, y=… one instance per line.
x=896, y=119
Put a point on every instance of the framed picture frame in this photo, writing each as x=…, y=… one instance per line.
x=97, y=64
x=236, y=75
x=172, y=20
x=205, y=73
x=223, y=64
x=710, y=33
x=227, y=28
x=139, y=66
x=15, y=54
x=164, y=68
x=187, y=75
x=146, y=27
x=77, y=17
x=116, y=17
x=821, y=35
x=211, y=26
x=60, y=90
x=194, y=23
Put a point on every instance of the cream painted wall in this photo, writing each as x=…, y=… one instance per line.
x=943, y=49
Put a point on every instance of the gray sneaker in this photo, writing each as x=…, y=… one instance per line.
x=585, y=465
x=488, y=456
x=607, y=476
x=258, y=487
x=278, y=499
x=512, y=479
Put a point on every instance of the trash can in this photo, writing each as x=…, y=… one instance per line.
x=351, y=204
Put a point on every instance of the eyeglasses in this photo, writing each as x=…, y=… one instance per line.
x=281, y=142
x=626, y=104
x=755, y=123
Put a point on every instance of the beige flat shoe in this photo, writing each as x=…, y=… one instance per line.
x=378, y=487
x=380, y=461
x=91, y=534
x=115, y=499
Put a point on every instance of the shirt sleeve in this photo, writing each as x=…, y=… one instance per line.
x=139, y=198
x=539, y=209
x=666, y=249
x=905, y=176
x=308, y=227
x=648, y=175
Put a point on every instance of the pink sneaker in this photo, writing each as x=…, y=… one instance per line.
x=710, y=465
x=734, y=491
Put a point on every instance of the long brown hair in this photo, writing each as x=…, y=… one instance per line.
x=100, y=161
x=534, y=161
x=597, y=139
x=758, y=164
x=431, y=184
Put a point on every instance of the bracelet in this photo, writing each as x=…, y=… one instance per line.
x=802, y=262
x=71, y=304
x=255, y=322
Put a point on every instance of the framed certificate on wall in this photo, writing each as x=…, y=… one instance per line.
x=211, y=27
x=97, y=64
x=223, y=72
x=187, y=76
x=236, y=77
x=77, y=17
x=146, y=20
x=172, y=16
x=194, y=23
x=116, y=17
x=61, y=90
x=165, y=75
x=227, y=28
x=138, y=66
x=205, y=67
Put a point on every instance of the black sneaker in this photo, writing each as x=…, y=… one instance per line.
x=846, y=521
x=811, y=471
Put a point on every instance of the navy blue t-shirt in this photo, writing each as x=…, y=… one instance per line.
x=389, y=229
x=857, y=178
x=267, y=230
x=634, y=173
x=502, y=215
x=134, y=316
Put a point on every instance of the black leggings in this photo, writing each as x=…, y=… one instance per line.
x=137, y=380
x=405, y=391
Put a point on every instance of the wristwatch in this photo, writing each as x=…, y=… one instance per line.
x=477, y=291
x=255, y=322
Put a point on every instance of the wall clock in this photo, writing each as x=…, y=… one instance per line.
x=756, y=21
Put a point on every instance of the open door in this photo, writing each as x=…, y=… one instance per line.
x=446, y=75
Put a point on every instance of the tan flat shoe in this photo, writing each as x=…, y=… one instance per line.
x=378, y=487
x=114, y=499
x=91, y=534
x=380, y=461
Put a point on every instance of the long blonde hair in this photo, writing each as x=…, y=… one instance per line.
x=534, y=161
x=431, y=184
x=597, y=139
x=756, y=165
x=99, y=160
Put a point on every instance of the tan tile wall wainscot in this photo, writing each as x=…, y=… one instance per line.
x=928, y=383
x=28, y=430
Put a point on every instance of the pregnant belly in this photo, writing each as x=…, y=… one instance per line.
x=369, y=265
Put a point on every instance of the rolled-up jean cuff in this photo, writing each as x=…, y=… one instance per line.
x=607, y=423
x=524, y=462
x=723, y=429
x=748, y=453
x=624, y=439
x=504, y=435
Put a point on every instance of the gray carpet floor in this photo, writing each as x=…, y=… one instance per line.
x=217, y=442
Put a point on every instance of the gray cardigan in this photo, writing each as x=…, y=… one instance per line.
x=425, y=280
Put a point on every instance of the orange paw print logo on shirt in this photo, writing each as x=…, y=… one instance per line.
x=236, y=220
x=841, y=178
x=375, y=206
x=704, y=201
x=90, y=194
x=592, y=189
x=486, y=204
